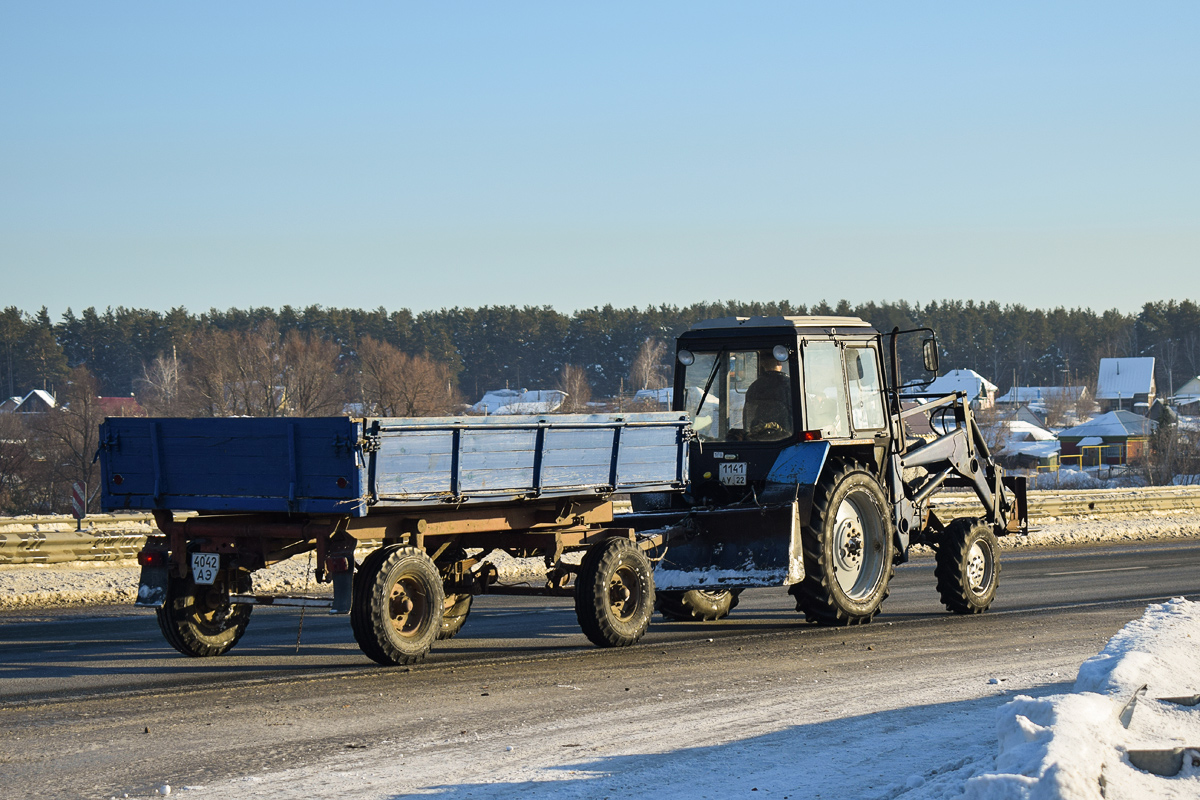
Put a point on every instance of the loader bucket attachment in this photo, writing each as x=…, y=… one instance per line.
x=755, y=546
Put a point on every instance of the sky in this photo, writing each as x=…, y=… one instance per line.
x=429, y=156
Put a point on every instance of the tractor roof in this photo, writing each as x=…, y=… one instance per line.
x=784, y=322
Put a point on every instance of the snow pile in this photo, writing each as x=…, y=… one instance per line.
x=1076, y=746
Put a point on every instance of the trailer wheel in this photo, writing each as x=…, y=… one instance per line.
x=398, y=612
x=696, y=604
x=456, y=606
x=198, y=619
x=968, y=570
x=614, y=594
x=849, y=551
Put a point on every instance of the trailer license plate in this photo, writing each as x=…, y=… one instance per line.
x=733, y=474
x=205, y=567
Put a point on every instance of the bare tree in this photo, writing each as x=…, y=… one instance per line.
x=648, y=370
x=16, y=463
x=395, y=384
x=1059, y=404
x=311, y=383
x=573, y=382
x=160, y=389
x=67, y=437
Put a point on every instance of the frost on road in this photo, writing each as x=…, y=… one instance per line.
x=865, y=744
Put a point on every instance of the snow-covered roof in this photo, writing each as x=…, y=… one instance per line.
x=1122, y=378
x=1091, y=441
x=525, y=401
x=960, y=380
x=1188, y=393
x=1040, y=394
x=663, y=396
x=1034, y=449
x=37, y=400
x=1113, y=425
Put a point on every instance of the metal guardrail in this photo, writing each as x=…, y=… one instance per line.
x=1084, y=502
x=54, y=540
x=112, y=537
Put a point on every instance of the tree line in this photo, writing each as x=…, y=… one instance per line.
x=477, y=349
x=319, y=361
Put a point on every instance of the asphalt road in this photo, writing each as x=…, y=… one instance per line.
x=80, y=689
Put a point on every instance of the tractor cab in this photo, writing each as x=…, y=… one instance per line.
x=755, y=386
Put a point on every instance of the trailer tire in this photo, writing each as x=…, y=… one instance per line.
x=360, y=611
x=399, y=610
x=696, y=604
x=849, y=550
x=968, y=570
x=198, y=620
x=456, y=605
x=614, y=594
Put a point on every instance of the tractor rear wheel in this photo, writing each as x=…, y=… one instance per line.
x=968, y=570
x=849, y=550
x=614, y=593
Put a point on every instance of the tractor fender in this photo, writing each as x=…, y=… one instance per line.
x=795, y=475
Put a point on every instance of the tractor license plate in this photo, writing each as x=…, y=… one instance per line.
x=205, y=567
x=733, y=474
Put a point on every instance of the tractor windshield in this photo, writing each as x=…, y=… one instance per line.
x=739, y=395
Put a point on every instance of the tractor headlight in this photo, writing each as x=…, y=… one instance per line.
x=780, y=352
x=686, y=357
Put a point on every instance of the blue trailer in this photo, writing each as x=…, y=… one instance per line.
x=232, y=496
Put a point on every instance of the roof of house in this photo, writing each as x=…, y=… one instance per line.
x=960, y=380
x=1040, y=394
x=1035, y=449
x=1113, y=425
x=511, y=401
x=37, y=400
x=120, y=407
x=1122, y=378
x=1189, y=392
x=657, y=395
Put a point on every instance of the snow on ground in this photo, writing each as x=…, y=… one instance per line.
x=1068, y=746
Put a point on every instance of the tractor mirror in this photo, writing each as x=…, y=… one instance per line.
x=930, y=349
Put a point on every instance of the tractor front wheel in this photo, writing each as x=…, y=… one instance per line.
x=614, y=594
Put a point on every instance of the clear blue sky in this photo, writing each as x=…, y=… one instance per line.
x=425, y=156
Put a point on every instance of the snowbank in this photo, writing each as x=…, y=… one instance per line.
x=1076, y=746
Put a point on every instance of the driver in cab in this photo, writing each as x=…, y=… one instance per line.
x=768, y=409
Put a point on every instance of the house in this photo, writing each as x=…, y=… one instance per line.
x=1126, y=383
x=1042, y=395
x=658, y=397
x=10, y=405
x=1187, y=397
x=36, y=402
x=1117, y=437
x=981, y=392
x=525, y=401
x=120, y=407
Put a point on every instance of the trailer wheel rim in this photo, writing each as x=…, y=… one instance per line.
x=625, y=593
x=407, y=606
x=857, y=545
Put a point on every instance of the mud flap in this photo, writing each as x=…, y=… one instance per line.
x=734, y=547
x=152, y=589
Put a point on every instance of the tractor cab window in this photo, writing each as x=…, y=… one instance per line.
x=739, y=395
x=866, y=399
x=825, y=390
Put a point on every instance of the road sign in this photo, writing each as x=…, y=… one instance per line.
x=79, y=500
